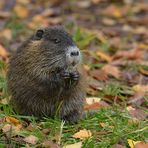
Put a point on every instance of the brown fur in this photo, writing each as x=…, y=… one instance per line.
x=37, y=88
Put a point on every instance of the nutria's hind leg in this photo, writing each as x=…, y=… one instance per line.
x=73, y=117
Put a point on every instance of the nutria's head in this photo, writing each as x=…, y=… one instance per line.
x=53, y=48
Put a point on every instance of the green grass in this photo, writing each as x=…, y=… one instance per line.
x=120, y=126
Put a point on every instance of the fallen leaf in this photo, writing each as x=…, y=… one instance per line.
x=105, y=125
x=104, y=56
x=7, y=128
x=13, y=120
x=75, y=145
x=141, y=145
x=21, y=11
x=38, y=20
x=137, y=99
x=130, y=54
x=4, y=14
x=143, y=71
x=50, y=144
x=112, y=70
x=140, y=88
x=99, y=75
x=132, y=143
x=31, y=139
x=137, y=113
x=91, y=100
x=3, y=52
x=6, y=33
x=82, y=134
x=94, y=103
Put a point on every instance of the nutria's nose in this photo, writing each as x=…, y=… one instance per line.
x=74, y=53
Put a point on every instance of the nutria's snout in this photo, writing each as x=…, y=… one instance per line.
x=73, y=55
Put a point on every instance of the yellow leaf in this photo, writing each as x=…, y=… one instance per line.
x=143, y=71
x=13, y=120
x=132, y=143
x=140, y=88
x=21, y=11
x=104, y=56
x=82, y=134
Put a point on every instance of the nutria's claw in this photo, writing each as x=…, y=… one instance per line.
x=75, y=76
x=65, y=75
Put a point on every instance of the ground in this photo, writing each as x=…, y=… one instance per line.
x=113, y=39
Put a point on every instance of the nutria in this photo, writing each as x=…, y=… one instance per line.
x=45, y=77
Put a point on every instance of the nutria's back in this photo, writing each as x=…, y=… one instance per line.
x=45, y=76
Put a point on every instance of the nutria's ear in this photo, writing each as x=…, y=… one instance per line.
x=39, y=34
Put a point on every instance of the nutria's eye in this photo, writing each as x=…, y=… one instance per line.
x=39, y=34
x=56, y=40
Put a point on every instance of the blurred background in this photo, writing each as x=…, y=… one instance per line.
x=113, y=37
x=110, y=22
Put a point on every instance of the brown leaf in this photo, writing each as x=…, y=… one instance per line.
x=82, y=134
x=112, y=70
x=137, y=113
x=3, y=52
x=137, y=99
x=13, y=120
x=141, y=145
x=31, y=139
x=7, y=34
x=143, y=71
x=100, y=75
x=50, y=144
x=131, y=54
x=5, y=14
x=7, y=128
x=104, y=56
x=94, y=103
x=21, y=11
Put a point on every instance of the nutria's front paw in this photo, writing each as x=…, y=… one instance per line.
x=75, y=76
x=70, y=79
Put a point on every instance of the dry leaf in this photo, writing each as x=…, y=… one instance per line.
x=38, y=20
x=99, y=75
x=21, y=11
x=50, y=144
x=7, y=128
x=137, y=113
x=3, y=52
x=140, y=88
x=130, y=54
x=13, y=120
x=132, y=143
x=143, y=71
x=104, y=56
x=91, y=100
x=105, y=125
x=82, y=134
x=31, y=139
x=112, y=70
x=75, y=145
x=6, y=33
x=141, y=145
